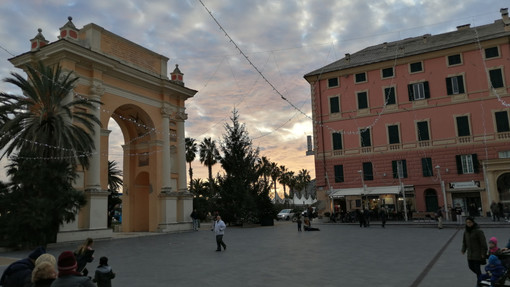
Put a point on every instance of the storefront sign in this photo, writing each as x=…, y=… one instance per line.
x=465, y=184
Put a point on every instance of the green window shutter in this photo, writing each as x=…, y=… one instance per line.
x=476, y=164
x=449, y=89
x=461, y=84
x=427, y=89
x=459, y=164
x=410, y=91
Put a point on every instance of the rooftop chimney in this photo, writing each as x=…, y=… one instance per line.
x=463, y=27
x=347, y=57
x=504, y=16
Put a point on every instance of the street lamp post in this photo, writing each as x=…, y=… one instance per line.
x=438, y=168
x=401, y=185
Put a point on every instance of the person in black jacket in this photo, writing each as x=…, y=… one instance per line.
x=104, y=274
x=84, y=255
x=19, y=273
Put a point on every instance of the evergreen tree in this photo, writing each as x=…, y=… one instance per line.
x=243, y=198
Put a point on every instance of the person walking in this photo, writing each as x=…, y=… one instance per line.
x=104, y=273
x=19, y=273
x=219, y=230
x=383, y=214
x=474, y=243
x=299, y=222
x=194, y=216
x=494, y=211
x=439, y=217
x=84, y=255
x=458, y=213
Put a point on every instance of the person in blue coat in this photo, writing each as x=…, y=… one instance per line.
x=19, y=273
x=494, y=270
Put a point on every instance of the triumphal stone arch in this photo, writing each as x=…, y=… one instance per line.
x=133, y=84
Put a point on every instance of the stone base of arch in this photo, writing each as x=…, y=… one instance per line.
x=80, y=235
x=175, y=210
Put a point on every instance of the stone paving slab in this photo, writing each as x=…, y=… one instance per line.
x=338, y=255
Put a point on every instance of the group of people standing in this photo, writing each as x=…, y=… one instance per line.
x=39, y=269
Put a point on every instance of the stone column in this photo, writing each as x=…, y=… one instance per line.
x=181, y=152
x=166, y=164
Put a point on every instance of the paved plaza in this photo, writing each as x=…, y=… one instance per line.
x=337, y=255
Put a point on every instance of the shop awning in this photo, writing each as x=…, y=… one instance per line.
x=369, y=190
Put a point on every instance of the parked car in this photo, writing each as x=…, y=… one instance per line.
x=285, y=214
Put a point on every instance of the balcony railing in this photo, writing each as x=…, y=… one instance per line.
x=366, y=149
x=465, y=139
x=503, y=136
x=395, y=146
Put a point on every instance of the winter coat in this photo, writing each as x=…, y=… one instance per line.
x=18, y=274
x=73, y=281
x=219, y=227
x=104, y=276
x=83, y=258
x=43, y=283
x=474, y=243
x=495, y=267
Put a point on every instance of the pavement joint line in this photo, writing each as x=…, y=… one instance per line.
x=432, y=262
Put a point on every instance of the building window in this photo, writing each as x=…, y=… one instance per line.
x=418, y=91
x=334, y=105
x=389, y=96
x=339, y=173
x=467, y=163
x=399, y=168
x=361, y=77
x=426, y=166
x=423, y=130
x=455, y=85
x=491, y=52
x=368, y=171
x=337, y=141
x=504, y=154
x=415, y=67
x=393, y=134
x=496, y=77
x=502, y=124
x=454, y=60
x=387, y=73
x=362, y=100
x=333, y=82
x=463, y=126
x=365, y=137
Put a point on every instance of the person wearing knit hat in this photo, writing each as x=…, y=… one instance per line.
x=493, y=247
x=19, y=273
x=67, y=274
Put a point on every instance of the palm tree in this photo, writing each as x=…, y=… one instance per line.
x=191, y=153
x=283, y=179
x=47, y=120
x=263, y=168
x=209, y=155
x=303, y=179
x=275, y=174
x=115, y=182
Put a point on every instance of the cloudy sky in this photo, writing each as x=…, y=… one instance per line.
x=283, y=39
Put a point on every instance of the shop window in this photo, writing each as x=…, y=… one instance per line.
x=339, y=173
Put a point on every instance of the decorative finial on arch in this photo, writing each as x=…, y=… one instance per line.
x=177, y=76
x=38, y=41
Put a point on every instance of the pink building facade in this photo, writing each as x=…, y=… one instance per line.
x=423, y=120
